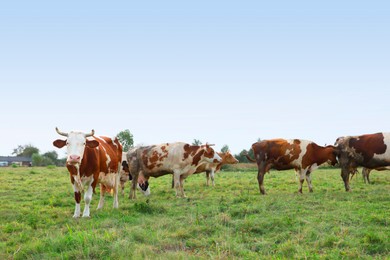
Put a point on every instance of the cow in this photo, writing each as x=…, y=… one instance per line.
x=366, y=172
x=180, y=159
x=369, y=150
x=281, y=154
x=91, y=160
x=211, y=168
x=126, y=176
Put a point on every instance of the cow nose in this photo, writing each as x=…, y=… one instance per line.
x=74, y=158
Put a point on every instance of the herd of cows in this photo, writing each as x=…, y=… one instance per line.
x=93, y=160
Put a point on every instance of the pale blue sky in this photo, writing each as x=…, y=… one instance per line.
x=226, y=72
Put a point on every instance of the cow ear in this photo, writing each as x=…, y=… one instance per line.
x=59, y=143
x=92, y=143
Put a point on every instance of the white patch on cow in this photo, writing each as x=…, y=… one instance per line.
x=108, y=161
x=385, y=156
x=77, y=211
x=108, y=179
x=101, y=139
x=288, y=152
x=303, y=145
x=313, y=167
x=87, y=179
x=114, y=143
x=87, y=199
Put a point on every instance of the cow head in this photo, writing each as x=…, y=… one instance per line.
x=75, y=145
x=228, y=158
x=144, y=188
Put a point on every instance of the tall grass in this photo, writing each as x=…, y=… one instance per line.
x=230, y=220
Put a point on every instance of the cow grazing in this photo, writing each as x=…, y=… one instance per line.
x=366, y=172
x=370, y=151
x=179, y=159
x=211, y=168
x=91, y=160
x=126, y=176
x=280, y=154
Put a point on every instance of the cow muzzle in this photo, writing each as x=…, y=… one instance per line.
x=73, y=159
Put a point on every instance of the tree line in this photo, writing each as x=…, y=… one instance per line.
x=126, y=139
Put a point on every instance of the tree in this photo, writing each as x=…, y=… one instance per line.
x=126, y=139
x=36, y=159
x=196, y=142
x=52, y=155
x=225, y=148
x=25, y=151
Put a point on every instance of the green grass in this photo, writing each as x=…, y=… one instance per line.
x=228, y=221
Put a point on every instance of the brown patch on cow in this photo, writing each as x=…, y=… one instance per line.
x=280, y=153
x=316, y=154
x=77, y=197
x=189, y=150
x=197, y=157
x=155, y=159
x=368, y=145
x=209, y=152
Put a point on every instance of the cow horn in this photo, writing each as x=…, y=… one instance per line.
x=210, y=144
x=91, y=134
x=61, y=133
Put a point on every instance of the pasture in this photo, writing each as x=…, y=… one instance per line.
x=230, y=220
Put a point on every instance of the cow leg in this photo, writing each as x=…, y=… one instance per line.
x=116, y=187
x=212, y=177
x=207, y=178
x=308, y=180
x=182, y=186
x=77, y=198
x=102, y=192
x=301, y=179
x=133, y=186
x=123, y=188
x=366, y=175
x=260, y=179
x=176, y=178
x=87, y=199
x=345, y=176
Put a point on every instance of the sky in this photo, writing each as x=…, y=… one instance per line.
x=223, y=72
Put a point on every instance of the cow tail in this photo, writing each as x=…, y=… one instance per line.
x=249, y=159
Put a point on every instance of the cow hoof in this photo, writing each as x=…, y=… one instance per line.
x=76, y=216
x=86, y=216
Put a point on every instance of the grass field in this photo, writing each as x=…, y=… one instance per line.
x=230, y=220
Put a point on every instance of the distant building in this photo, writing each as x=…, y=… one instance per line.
x=15, y=160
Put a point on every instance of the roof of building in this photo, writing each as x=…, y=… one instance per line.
x=15, y=159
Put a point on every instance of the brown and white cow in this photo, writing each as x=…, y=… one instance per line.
x=370, y=151
x=179, y=159
x=280, y=154
x=211, y=168
x=91, y=160
x=366, y=172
